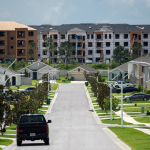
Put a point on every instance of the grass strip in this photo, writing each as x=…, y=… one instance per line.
x=54, y=86
x=43, y=112
x=5, y=142
x=143, y=119
x=1, y=148
x=8, y=136
x=135, y=139
x=63, y=78
x=44, y=108
x=135, y=109
x=12, y=127
x=10, y=132
x=138, y=105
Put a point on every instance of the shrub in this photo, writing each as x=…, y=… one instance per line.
x=147, y=91
x=140, y=88
x=134, y=92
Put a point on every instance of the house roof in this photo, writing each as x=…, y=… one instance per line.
x=143, y=59
x=88, y=68
x=4, y=68
x=123, y=67
x=11, y=25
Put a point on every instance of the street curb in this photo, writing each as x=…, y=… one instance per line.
x=116, y=140
x=13, y=145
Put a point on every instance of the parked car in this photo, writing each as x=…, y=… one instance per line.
x=129, y=89
x=115, y=90
x=32, y=127
x=138, y=96
x=27, y=89
x=118, y=83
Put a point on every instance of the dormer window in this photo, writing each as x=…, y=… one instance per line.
x=78, y=70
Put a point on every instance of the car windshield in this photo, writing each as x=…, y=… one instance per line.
x=34, y=118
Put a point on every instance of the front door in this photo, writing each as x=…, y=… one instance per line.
x=34, y=75
x=13, y=81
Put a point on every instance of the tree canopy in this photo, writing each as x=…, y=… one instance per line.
x=32, y=47
x=136, y=50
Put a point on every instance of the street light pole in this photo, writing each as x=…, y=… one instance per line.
x=121, y=105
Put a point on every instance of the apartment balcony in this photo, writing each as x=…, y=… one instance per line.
x=101, y=55
x=21, y=34
x=20, y=43
x=21, y=52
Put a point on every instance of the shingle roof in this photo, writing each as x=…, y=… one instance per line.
x=145, y=59
x=88, y=68
x=11, y=25
x=4, y=68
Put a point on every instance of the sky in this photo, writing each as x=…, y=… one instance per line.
x=57, y=12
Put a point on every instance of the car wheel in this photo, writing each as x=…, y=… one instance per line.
x=46, y=141
x=145, y=99
x=19, y=143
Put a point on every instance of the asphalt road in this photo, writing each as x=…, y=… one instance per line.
x=73, y=126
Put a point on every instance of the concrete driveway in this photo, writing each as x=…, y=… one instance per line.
x=73, y=126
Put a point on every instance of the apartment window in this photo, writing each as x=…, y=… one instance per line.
x=145, y=36
x=98, y=36
x=105, y=36
x=73, y=36
x=73, y=53
x=88, y=36
x=55, y=44
x=44, y=44
x=89, y=44
x=97, y=59
x=74, y=44
x=145, y=43
x=2, y=51
x=20, y=42
x=55, y=52
x=78, y=70
x=107, y=44
x=44, y=36
x=2, y=42
x=30, y=41
x=38, y=55
x=79, y=52
x=31, y=33
x=90, y=52
x=50, y=37
x=116, y=36
x=11, y=38
x=20, y=51
x=99, y=51
x=62, y=36
x=109, y=36
x=83, y=45
x=145, y=51
x=125, y=43
x=125, y=36
x=2, y=33
x=11, y=47
x=44, y=52
x=79, y=44
x=91, y=36
x=98, y=44
x=117, y=44
x=55, y=36
x=107, y=52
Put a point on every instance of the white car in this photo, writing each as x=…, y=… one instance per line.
x=27, y=89
x=118, y=84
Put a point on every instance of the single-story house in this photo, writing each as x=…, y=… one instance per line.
x=114, y=73
x=77, y=73
x=139, y=70
x=37, y=69
x=14, y=78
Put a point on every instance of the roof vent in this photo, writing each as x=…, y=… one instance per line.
x=51, y=28
x=90, y=27
x=41, y=27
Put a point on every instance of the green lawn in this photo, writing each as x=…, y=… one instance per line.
x=54, y=86
x=10, y=132
x=101, y=111
x=138, y=105
x=143, y=119
x=135, y=139
x=5, y=142
x=12, y=127
x=44, y=108
x=9, y=136
x=43, y=112
x=126, y=94
x=135, y=109
x=1, y=148
x=62, y=78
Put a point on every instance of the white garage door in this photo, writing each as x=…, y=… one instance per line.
x=79, y=77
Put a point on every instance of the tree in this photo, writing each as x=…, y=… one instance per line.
x=4, y=61
x=120, y=76
x=8, y=83
x=50, y=46
x=136, y=50
x=26, y=73
x=115, y=104
x=32, y=47
x=65, y=51
x=121, y=55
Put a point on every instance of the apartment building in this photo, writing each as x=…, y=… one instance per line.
x=15, y=39
x=95, y=42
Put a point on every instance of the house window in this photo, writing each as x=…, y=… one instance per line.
x=116, y=36
x=2, y=42
x=145, y=36
x=88, y=36
x=125, y=43
x=98, y=44
x=62, y=36
x=107, y=52
x=2, y=33
x=98, y=36
x=125, y=36
x=145, y=43
x=89, y=44
x=107, y=44
x=11, y=38
x=55, y=36
x=105, y=36
x=109, y=36
x=117, y=44
x=78, y=70
x=90, y=52
x=11, y=47
x=91, y=36
x=31, y=33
